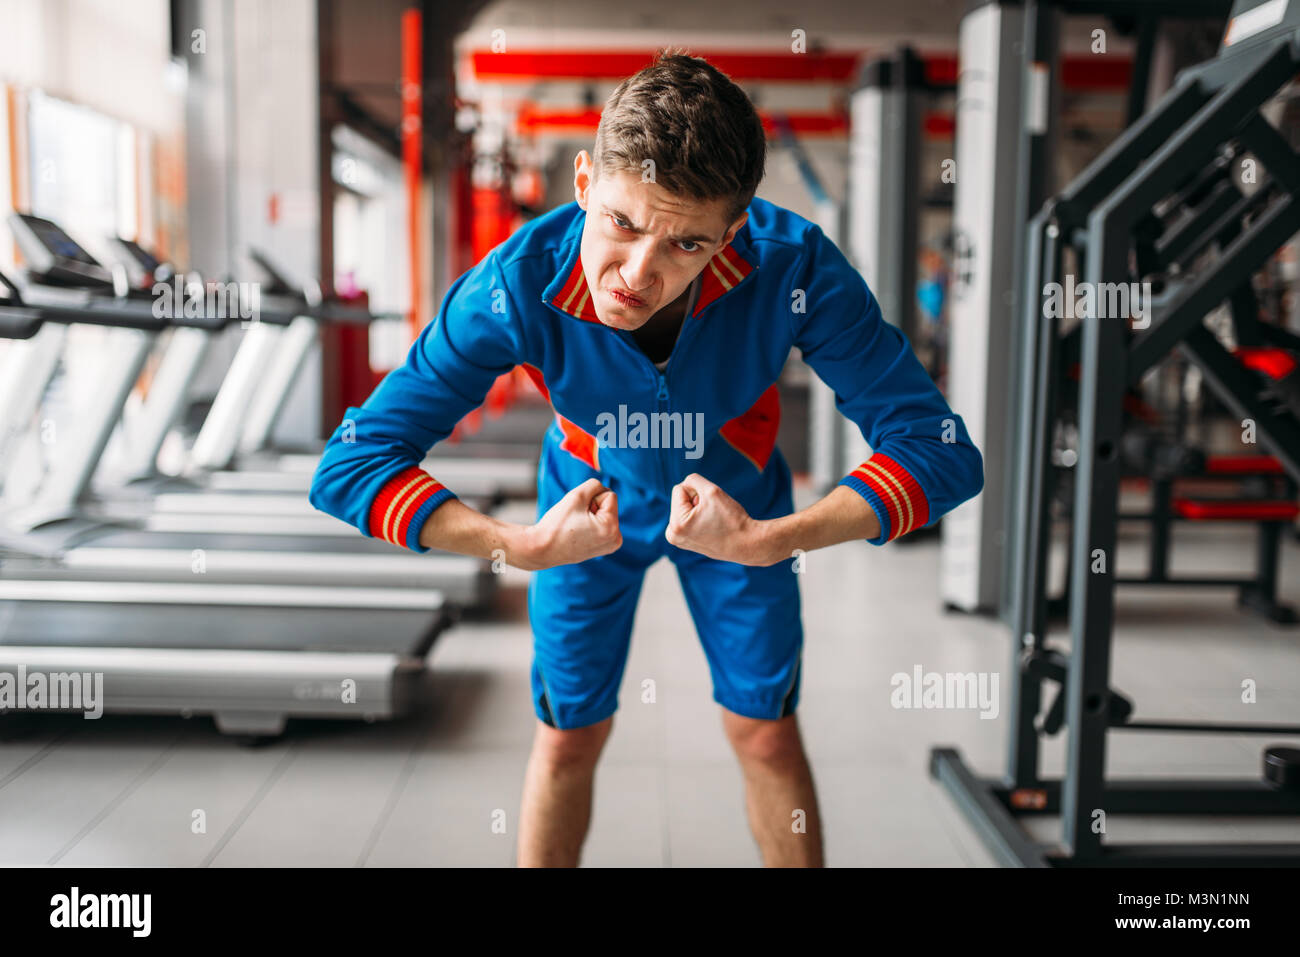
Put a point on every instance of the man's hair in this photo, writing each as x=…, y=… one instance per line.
x=698, y=127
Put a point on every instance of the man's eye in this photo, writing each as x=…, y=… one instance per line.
x=621, y=223
x=686, y=242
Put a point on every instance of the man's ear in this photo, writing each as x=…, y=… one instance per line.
x=582, y=177
x=736, y=227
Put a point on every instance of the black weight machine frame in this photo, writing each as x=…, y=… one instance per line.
x=1210, y=104
x=1216, y=207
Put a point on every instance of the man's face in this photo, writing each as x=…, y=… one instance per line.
x=642, y=246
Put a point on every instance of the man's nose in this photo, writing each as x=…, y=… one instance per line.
x=639, y=268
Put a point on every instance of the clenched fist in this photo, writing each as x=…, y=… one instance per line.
x=582, y=525
x=707, y=520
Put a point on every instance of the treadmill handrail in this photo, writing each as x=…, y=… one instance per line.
x=18, y=322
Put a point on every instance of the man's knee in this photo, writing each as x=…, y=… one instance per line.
x=770, y=742
x=571, y=747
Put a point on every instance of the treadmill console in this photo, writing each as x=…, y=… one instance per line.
x=55, y=258
x=141, y=265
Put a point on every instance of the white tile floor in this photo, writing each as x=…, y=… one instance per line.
x=427, y=790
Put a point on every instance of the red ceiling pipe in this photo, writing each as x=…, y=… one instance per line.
x=1079, y=71
x=411, y=156
x=596, y=64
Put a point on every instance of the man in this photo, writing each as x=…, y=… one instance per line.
x=657, y=313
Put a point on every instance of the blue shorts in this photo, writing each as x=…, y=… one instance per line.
x=747, y=618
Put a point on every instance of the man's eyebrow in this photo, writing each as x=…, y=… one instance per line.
x=637, y=229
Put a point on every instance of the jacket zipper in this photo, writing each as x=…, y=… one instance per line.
x=688, y=329
x=663, y=400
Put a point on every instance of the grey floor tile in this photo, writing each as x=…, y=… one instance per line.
x=458, y=809
x=693, y=728
x=473, y=709
x=319, y=811
x=844, y=727
x=46, y=810
x=888, y=818
x=639, y=735
x=707, y=826
x=629, y=827
x=183, y=812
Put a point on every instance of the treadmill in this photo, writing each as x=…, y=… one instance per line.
x=258, y=465
x=253, y=393
x=243, y=416
x=54, y=539
x=252, y=656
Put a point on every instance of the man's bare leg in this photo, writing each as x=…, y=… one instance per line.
x=556, y=805
x=778, y=783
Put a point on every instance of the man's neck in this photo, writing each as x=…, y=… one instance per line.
x=658, y=334
x=673, y=313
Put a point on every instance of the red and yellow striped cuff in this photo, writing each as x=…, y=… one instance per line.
x=897, y=490
x=399, y=501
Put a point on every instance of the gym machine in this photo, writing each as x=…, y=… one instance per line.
x=1007, y=113
x=233, y=451
x=255, y=390
x=234, y=448
x=1188, y=485
x=251, y=655
x=55, y=538
x=1104, y=219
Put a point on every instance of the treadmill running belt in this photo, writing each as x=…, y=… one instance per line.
x=397, y=632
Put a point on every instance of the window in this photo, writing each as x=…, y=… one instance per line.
x=81, y=170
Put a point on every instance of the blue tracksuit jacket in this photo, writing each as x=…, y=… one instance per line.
x=780, y=284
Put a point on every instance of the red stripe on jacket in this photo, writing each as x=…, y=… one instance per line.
x=904, y=501
x=398, y=501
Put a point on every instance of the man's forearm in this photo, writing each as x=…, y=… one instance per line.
x=841, y=516
x=455, y=527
